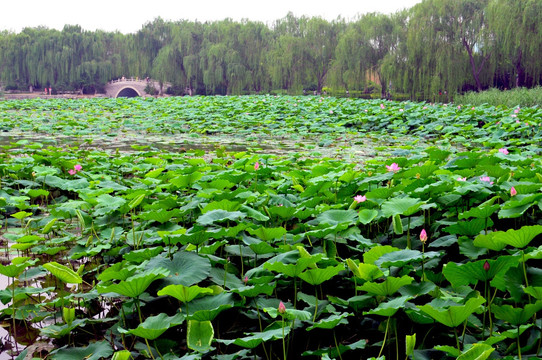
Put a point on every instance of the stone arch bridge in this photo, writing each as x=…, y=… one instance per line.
x=132, y=87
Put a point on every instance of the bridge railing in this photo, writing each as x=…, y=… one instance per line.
x=124, y=79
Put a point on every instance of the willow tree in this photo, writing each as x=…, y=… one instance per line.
x=517, y=28
x=285, y=57
x=320, y=39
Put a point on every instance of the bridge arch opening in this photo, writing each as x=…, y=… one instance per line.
x=128, y=92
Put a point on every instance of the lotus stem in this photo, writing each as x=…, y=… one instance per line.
x=385, y=336
x=519, y=347
x=456, y=340
x=316, y=305
x=337, y=345
x=283, y=341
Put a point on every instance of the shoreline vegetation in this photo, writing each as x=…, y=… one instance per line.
x=430, y=52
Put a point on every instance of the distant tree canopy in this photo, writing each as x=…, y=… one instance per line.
x=436, y=46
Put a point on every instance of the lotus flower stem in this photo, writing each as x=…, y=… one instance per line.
x=283, y=341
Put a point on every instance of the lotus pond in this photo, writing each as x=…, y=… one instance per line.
x=264, y=227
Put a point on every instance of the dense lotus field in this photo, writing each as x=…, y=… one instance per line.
x=342, y=229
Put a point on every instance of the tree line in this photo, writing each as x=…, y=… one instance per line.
x=436, y=47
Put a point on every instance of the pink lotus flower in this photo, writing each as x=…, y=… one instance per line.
x=486, y=179
x=513, y=191
x=461, y=179
x=282, y=308
x=401, y=110
x=516, y=111
x=459, y=107
x=393, y=167
x=360, y=198
x=425, y=107
x=245, y=280
x=503, y=151
x=486, y=266
x=423, y=236
x=256, y=166
x=382, y=106
x=78, y=167
x=72, y=172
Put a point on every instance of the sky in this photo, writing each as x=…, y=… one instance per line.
x=129, y=16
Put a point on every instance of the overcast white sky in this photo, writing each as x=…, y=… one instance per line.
x=129, y=16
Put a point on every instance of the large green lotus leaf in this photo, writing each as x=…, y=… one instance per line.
x=67, y=210
x=469, y=228
x=291, y=270
x=517, y=205
x=199, y=335
x=59, y=331
x=417, y=289
x=406, y=206
x=268, y=234
x=387, y=287
x=259, y=247
x=208, y=307
x=107, y=204
x=472, y=272
x=15, y=269
x=376, y=252
x=336, y=217
x=453, y=316
x=534, y=291
x=21, y=293
x=63, y=273
x=135, y=285
x=255, y=339
x=481, y=212
x=290, y=314
x=284, y=212
x=331, y=321
x=184, y=293
x=513, y=212
x=118, y=271
x=44, y=170
x=368, y=272
x=367, y=215
x=138, y=256
x=318, y=276
x=219, y=216
x=193, y=237
x=398, y=258
x=518, y=238
x=94, y=351
x=477, y=352
x=161, y=215
x=257, y=289
x=389, y=308
x=154, y=326
x=223, y=204
x=488, y=241
x=516, y=316
x=424, y=171
x=186, y=268
x=253, y=213
x=122, y=355
x=184, y=181
x=467, y=248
